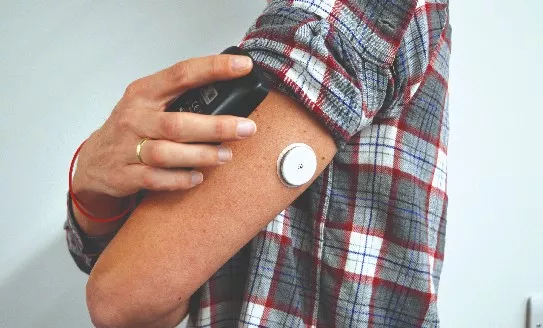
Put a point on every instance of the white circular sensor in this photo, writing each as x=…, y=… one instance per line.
x=296, y=165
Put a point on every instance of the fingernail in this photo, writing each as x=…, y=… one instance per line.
x=196, y=177
x=246, y=128
x=241, y=63
x=225, y=154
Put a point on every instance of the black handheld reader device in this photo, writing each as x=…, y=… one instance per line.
x=238, y=97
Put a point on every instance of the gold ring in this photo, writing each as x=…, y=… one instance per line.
x=138, y=149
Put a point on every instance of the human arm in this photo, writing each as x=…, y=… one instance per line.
x=211, y=222
x=105, y=177
x=86, y=249
x=344, y=83
x=108, y=173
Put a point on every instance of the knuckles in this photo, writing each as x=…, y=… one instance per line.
x=124, y=120
x=114, y=179
x=148, y=180
x=134, y=89
x=225, y=128
x=170, y=128
x=221, y=66
x=183, y=181
x=179, y=72
x=156, y=155
x=217, y=66
x=221, y=129
x=206, y=156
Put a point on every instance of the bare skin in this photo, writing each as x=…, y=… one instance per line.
x=108, y=171
x=144, y=278
x=174, y=241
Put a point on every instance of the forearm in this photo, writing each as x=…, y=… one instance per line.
x=86, y=250
x=145, y=272
x=87, y=239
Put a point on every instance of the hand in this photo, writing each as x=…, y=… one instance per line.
x=108, y=164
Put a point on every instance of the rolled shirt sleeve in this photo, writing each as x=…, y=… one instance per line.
x=334, y=57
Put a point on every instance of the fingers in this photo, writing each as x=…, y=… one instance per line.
x=196, y=72
x=190, y=127
x=169, y=154
x=154, y=178
x=182, y=127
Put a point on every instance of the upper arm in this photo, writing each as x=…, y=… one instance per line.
x=174, y=241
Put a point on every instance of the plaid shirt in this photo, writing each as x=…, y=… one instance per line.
x=363, y=245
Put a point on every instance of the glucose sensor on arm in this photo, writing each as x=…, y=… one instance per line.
x=296, y=165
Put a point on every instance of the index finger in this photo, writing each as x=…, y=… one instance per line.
x=196, y=72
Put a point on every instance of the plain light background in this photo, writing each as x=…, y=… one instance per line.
x=64, y=64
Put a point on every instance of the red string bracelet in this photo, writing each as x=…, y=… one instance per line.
x=80, y=208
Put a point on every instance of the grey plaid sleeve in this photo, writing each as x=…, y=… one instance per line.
x=334, y=57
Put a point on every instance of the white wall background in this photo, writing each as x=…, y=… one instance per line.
x=64, y=64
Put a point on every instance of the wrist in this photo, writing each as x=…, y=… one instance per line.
x=97, y=203
x=96, y=213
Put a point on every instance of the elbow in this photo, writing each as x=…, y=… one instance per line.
x=104, y=307
x=111, y=304
x=122, y=304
